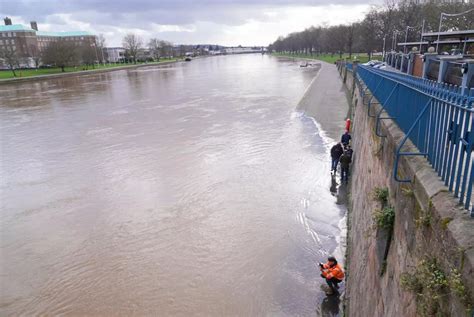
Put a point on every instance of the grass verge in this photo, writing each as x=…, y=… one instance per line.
x=329, y=58
x=21, y=73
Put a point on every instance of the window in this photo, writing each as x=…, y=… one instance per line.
x=14, y=34
x=9, y=34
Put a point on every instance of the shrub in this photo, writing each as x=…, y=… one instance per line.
x=381, y=194
x=431, y=285
x=457, y=287
x=384, y=218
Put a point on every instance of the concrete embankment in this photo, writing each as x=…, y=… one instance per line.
x=422, y=265
x=80, y=73
x=326, y=100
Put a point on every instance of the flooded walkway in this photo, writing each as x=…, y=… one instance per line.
x=191, y=189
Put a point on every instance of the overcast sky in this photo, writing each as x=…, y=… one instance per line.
x=225, y=22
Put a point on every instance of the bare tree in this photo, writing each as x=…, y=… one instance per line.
x=165, y=48
x=10, y=58
x=154, y=47
x=35, y=54
x=100, y=42
x=378, y=23
x=182, y=50
x=350, y=38
x=132, y=43
x=368, y=34
x=88, y=55
x=61, y=54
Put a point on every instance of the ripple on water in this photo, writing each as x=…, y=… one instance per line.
x=194, y=189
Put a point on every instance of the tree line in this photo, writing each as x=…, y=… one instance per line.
x=387, y=22
x=62, y=53
x=136, y=50
x=156, y=48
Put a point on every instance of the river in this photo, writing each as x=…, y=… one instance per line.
x=188, y=189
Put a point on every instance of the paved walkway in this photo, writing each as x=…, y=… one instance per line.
x=326, y=101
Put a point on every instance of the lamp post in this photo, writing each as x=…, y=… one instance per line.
x=441, y=21
x=383, y=48
x=103, y=59
x=394, y=40
x=96, y=55
x=422, y=31
x=406, y=37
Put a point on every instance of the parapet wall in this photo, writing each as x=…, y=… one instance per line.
x=432, y=237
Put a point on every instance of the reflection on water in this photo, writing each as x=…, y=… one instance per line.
x=188, y=189
x=330, y=306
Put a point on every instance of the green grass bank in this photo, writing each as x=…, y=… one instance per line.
x=8, y=74
x=329, y=58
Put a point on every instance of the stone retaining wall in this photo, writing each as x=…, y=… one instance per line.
x=429, y=226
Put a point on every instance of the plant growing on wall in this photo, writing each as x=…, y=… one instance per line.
x=429, y=283
x=383, y=222
x=384, y=218
x=381, y=194
x=432, y=285
x=457, y=287
x=424, y=217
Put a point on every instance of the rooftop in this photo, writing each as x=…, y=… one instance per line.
x=448, y=35
x=73, y=33
x=21, y=27
x=15, y=27
x=436, y=42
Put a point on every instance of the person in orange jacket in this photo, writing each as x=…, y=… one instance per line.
x=333, y=273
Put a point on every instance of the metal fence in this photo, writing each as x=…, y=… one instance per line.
x=436, y=117
x=349, y=66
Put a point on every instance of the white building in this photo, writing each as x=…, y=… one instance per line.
x=114, y=54
x=242, y=50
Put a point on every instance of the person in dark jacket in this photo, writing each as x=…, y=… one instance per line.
x=346, y=138
x=349, y=151
x=345, y=162
x=336, y=152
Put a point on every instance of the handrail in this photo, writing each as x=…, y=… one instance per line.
x=436, y=117
x=402, y=143
x=450, y=90
x=370, y=100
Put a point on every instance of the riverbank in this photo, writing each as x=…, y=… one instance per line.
x=326, y=101
x=84, y=72
x=328, y=58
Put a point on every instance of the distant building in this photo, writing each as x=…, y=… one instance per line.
x=114, y=54
x=144, y=55
x=242, y=50
x=28, y=42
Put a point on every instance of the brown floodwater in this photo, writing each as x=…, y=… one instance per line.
x=188, y=189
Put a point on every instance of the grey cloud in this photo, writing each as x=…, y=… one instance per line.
x=139, y=13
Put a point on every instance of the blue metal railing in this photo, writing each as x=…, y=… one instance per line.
x=349, y=66
x=436, y=117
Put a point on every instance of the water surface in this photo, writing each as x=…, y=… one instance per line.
x=191, y=189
